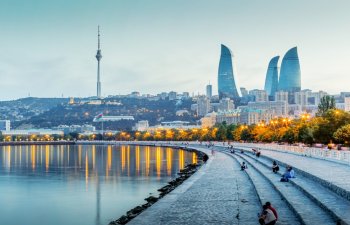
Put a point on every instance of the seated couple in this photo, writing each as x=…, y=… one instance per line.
x=288, y=174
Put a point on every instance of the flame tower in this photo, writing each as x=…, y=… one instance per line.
x=98, y=57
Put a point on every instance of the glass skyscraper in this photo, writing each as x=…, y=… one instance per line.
x=290, y=72
x=226, y=82
x=271, y=81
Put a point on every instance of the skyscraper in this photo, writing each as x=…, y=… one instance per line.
x=98, y=57
x=290, y=72
x=271, y=81
x=209, y=90
x=226, y=82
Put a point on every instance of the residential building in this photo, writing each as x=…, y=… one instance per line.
x=203, y=106
x=5, y=125
x=259, y=95
x=226, y=104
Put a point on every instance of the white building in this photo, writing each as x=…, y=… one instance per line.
x=33, y=132
x=226, y=104
x=259, y=95
x=203, y=106
x=347, y=104
x=254, y=116
x=230, y=117
x=281, y=96
x=5, y=125
x=314, y=98
x=276, y=108
x=208, y=120
x=141, y=125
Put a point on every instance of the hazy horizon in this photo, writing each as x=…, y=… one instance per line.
x=49, y=47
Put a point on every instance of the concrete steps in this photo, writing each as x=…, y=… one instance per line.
x=306, y=208
x=326, y=198
x=267, y=192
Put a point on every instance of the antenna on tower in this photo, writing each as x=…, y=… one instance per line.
x=98, y=32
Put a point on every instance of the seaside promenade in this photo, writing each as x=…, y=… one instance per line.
x=220, y=193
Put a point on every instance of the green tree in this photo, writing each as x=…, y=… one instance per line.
x=230, y=131
x=221, y=133
x=342, y=135
x=246, y=135
x=326, y=103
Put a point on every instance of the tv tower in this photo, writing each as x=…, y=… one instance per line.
x=98, y=57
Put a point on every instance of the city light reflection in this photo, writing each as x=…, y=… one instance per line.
x=96, y=160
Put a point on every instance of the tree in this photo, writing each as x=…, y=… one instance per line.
x=342, y=135
x=221, y=134
x=246, y=135
x=230, y=131
x=326, y=103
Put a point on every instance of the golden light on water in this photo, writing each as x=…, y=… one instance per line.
x=181, y=159
x=93, y=156
x=148, y=159
x=95, y=161
x=137, y=159
x=158, y=161
x=123, y=157
x=169, y=160
x=194, y=158
x=33, y=159
x=86, y=170
x=47, y=157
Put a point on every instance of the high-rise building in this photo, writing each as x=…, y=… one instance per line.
x=209, y=90
x=98, y=57
x=290, y=75
x=203, y=105
x=271, y=80
x=226, y=82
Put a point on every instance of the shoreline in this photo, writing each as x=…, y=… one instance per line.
x=183, y=175
x=16, y=143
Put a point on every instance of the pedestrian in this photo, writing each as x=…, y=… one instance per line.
x=275, y=167
x=258, y=154
x=244, y=166
x=267, y=217
x=269, y=206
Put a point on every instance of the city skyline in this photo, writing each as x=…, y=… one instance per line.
x=48, y=48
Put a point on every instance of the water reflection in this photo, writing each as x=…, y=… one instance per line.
x=113, y=178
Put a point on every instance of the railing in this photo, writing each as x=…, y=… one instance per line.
x=342, y=156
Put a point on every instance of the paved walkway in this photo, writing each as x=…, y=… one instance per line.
x=218, y=193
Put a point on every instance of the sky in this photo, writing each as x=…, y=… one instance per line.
x=48, y=48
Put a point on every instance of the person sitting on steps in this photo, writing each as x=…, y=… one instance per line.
x=275, y=167
x=269, y=206
x=288, y=174
x=244, y=166
x=267, y=217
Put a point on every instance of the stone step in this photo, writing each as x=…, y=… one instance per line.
x=307, y=209
x=267, y=192
x=326, y=198
x=338, y=187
